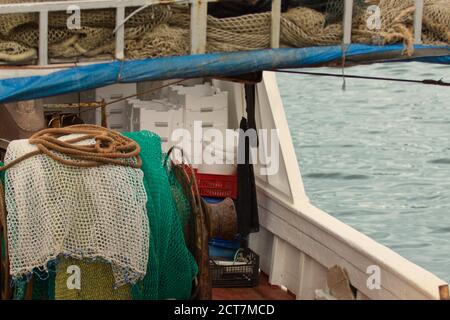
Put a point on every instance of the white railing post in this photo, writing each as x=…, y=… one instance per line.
x=120, y=33
x=418, y=16
x=275, y=24
x=43, y=38
x=348, y=17
x=199, y=16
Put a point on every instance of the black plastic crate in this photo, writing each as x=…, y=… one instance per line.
x=242, y=274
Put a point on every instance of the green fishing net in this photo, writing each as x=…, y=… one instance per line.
x=2, y=173
x=171, y=268
x=181, y=202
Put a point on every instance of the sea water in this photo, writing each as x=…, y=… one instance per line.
x=377, y=155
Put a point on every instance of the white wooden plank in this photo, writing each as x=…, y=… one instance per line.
x=120, y=33
x=312, y=277
x=275, y=24
x=291, y=267
x=323, y=295
x=262, y=243
x=361, y=296
x=199, y=13
x=273, y=116
x=418, y=17
x=277, y=262
x=32, y=70
x=43, y=38
x=82, y=4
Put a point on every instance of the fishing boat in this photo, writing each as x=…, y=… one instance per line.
x=304, y=252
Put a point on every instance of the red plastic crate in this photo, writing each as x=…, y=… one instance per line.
x=216, y=185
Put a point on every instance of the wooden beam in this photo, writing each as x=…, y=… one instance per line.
x=444, y=292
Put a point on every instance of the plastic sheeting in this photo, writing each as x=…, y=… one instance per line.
x=87, y=77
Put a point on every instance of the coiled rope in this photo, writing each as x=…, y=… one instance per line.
x=110, y=147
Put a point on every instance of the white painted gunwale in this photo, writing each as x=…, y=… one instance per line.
x=331, y=242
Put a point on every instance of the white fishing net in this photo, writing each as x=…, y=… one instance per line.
x=85, y=213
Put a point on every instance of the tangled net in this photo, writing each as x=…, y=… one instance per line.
x=163, y=30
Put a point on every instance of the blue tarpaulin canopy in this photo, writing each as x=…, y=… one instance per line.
x=92, y=76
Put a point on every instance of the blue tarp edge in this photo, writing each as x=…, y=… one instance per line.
x=87, y=77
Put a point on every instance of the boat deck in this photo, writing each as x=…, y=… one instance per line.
x=264, y=291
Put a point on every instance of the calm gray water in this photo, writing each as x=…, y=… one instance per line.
x=377, y=156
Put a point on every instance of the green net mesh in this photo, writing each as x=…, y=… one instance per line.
x=171, y=268
x=181, y=202
x=44, y=284
x=2, y=173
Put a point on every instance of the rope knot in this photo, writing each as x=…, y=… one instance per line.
x=105, y=144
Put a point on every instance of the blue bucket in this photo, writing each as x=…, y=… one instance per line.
x=219, y=248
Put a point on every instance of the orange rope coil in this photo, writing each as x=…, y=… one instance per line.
x=110, y=147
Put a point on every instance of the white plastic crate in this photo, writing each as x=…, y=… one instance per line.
x=158, y=104
x=206, y=134
x=183, y=106
x=118, y=117
x=208, y=117
x=198, y=90
x=159, y=122
x=198, y=98
x=115, y=91
x=118, y=114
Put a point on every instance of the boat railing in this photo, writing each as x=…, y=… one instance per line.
x=299, y=243
x=198, y=20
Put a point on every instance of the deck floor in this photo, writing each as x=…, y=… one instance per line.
x=264, y=291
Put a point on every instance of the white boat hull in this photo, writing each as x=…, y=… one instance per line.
x=298, y=243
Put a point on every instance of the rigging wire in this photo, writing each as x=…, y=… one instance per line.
x=323, y=74
x=136, y=94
